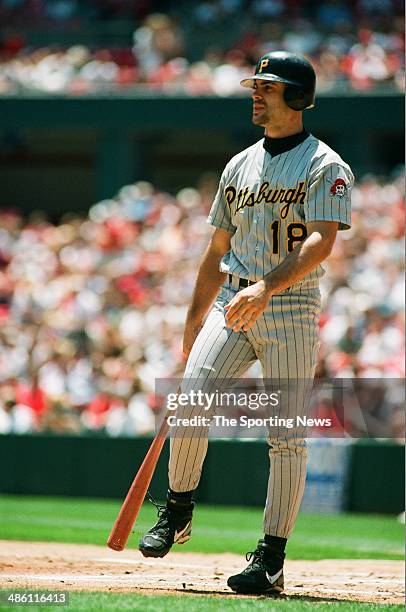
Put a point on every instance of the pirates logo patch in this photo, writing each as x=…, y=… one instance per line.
x=338, y=188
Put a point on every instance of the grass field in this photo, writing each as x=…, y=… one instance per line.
x=215, y=529
x=148, y=603
x=225, y=529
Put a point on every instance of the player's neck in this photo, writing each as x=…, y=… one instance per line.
x=293, y=125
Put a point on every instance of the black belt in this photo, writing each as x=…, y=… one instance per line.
x=242, y=282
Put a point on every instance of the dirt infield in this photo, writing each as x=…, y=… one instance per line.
x=96, y=568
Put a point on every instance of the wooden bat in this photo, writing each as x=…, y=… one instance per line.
x=137, y=492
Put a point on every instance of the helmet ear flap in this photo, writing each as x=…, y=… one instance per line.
x=295, y=98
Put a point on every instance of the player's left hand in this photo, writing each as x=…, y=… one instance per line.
x=246, y=306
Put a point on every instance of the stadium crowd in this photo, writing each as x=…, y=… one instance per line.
x=92, y=309
x=353, y=45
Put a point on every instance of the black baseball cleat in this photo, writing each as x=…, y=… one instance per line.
x=173, y=527
x=263, y=576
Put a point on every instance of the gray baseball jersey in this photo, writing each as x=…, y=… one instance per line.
x=265, y=202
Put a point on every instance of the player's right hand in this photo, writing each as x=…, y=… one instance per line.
x=192, y=329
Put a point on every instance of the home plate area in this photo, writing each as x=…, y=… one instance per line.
x=95, y=568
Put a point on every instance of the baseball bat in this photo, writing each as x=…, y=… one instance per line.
x=137, y=492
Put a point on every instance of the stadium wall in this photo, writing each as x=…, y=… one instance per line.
x=64, y=154
x=104, y=467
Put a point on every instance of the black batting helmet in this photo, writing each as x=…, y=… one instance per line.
x=294, y=70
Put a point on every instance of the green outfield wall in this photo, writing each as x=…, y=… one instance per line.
x=63, y=154
x=235, y=472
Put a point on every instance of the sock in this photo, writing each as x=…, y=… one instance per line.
x=184, y=496
x=276, y=544
x=180, y=506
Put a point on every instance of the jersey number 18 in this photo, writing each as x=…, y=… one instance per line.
x=295, y=232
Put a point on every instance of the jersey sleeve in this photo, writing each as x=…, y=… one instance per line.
x=329, y=195
x=220, y=215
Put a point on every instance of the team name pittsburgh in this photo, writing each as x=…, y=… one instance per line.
x=245, y=197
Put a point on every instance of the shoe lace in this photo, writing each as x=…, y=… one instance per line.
x=160, y=507
x=257, y=556
x=163, y=514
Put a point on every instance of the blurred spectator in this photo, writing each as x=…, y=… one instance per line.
x=302, y=37
x=92, y=309
x=156, y=42
x=227, y=76
x=368, y=62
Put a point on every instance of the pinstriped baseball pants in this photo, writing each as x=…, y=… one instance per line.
x=285, y=340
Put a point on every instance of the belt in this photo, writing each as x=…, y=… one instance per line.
x=242, y=282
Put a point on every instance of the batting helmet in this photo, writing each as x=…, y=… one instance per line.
x=294, y=70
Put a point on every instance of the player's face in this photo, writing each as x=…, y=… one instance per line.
x=268, y=102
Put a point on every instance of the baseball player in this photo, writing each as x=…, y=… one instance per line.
x=276, y=214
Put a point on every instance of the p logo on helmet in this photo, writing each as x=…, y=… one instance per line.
x=263, y=64
x=293, y=70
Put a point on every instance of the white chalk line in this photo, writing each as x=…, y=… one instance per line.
x=341, y=578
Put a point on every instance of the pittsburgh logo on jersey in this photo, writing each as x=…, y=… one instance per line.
x=338, y=188
x=244, y=197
